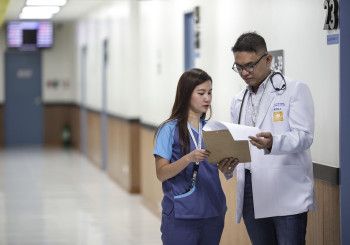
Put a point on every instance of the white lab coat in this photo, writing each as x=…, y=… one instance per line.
x=282, y=181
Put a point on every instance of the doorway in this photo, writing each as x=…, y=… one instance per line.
x=83, y=110
x=104, y=115
x=23, y=107
x=189, y=41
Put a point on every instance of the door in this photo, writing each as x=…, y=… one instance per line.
x=104, y=116
x=189, y=41
x=83, y=110
x=23, y=108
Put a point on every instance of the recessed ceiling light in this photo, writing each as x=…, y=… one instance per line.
x=41, y=9
x=35, y=16
x=46, y=2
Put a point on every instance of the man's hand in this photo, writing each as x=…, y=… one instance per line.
x=227, y=165
x=262, y=140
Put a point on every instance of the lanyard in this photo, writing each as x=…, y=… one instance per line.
x=198, y=146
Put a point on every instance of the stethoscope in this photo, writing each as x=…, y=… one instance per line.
x=278, y=89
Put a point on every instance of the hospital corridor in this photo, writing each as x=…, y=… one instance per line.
x=174, y=122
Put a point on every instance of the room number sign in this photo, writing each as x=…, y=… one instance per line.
x=332, y=15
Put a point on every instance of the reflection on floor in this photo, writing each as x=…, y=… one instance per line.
x=58, y=197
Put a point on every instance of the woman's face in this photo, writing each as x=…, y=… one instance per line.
x=201, y=98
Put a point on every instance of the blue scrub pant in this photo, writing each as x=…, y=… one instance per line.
x=281, y=230
x=191, y=231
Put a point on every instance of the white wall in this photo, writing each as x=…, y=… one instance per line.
x=117, y=22
x=294, y=26
x=147, y=56
x=161, y=59
x=59, y=64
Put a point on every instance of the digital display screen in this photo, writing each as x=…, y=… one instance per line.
x=29, y=33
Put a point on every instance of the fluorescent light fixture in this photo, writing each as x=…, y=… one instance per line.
x=38, y=12
x=36, y=16
x=46, y=2
x=41, y=9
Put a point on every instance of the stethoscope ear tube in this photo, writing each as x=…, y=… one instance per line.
x=284, y=85
x=240, y=109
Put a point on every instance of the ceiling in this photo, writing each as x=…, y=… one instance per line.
x=72, y=10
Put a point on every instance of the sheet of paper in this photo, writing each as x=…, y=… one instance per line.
x=238, y=132
x=225, y=139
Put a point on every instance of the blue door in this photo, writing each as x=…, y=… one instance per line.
x=344, y=122
x=83, y=110
x=104, y=116
x=23, y=108
x=189, y=41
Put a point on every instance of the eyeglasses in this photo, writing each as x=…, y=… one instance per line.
x=248, y=68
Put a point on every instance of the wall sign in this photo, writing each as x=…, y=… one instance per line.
x=277, y=63
x=332, y=39
x=24, y=73
x=197, y=33
x=332, y=14
x=331, y=23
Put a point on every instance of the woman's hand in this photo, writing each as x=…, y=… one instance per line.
x=227, y=165
x=197, y=155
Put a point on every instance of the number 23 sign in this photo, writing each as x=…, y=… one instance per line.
x=332, y=16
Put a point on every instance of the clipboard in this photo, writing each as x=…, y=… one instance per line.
x=221, y=144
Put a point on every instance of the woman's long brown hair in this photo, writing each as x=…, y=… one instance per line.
x=188, y=81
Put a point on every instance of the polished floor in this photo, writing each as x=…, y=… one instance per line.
x=58, y=197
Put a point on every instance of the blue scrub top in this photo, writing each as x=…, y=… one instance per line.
x=207, y=199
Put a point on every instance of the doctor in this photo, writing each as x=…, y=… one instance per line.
x=275, y=190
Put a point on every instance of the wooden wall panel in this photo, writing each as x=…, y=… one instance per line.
x=151, y=187
x=233, y=233
x=94, y=138
x=315, y=226
x=134, y=152
x=55, y=117
x=75, y=124
x=124, y=153
x=117, y=166
x=323, y=223
x=331, y=214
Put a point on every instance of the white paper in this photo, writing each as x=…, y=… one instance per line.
x=238, y=132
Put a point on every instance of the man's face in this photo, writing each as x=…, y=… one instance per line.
x=252, y=67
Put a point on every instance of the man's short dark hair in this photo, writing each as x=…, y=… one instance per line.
x=250, y=42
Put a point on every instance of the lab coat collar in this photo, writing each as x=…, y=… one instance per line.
x=241, y=95
x=268, y=96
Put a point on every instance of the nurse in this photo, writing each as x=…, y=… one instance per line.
x=194, y=205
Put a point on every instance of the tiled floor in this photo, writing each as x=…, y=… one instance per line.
x=58, y=197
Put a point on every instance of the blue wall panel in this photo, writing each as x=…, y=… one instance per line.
x=345, y=121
